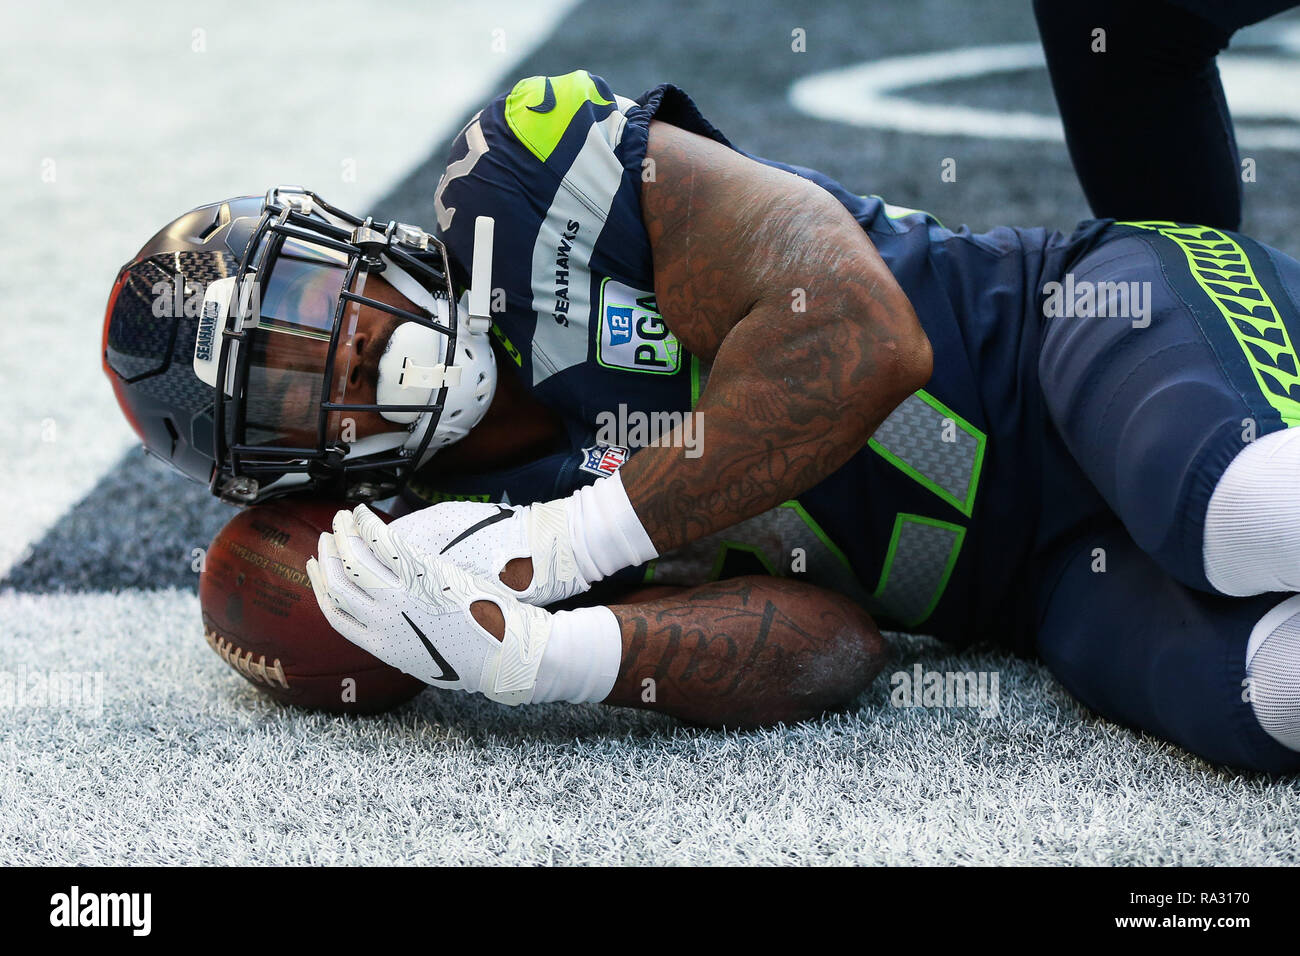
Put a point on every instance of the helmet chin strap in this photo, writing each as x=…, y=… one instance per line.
x=414, y=366
x=402, y=281
x=375, y=444
x=416, y=355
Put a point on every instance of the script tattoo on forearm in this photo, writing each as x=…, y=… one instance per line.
x=745, y=651
x=793, y=392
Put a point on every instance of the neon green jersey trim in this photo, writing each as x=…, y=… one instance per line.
x=803, y=515
x=901, y=212
x=728, y=546
x=507, y=345
x=816, y=529
x=540, y=108
x=968, y=505
x=1211, y=251
x=899, y=522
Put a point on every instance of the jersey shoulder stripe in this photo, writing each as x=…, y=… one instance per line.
x=539, y=109
x=557, y=162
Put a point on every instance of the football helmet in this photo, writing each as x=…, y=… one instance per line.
x=277, y=344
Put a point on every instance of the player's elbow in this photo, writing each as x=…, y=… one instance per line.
x=902, y=356
x=917, y=358
x=885, y=328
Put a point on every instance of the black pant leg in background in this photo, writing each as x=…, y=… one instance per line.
x=1146, y=121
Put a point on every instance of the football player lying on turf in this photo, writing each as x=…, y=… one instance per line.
x=1100, y=470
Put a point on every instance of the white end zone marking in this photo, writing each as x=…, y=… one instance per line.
x=874, y=95
x=864, y=95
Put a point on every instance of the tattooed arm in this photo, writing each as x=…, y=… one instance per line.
x=792, y=394
x=744, y=652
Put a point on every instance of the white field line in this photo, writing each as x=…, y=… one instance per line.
x=874, y=95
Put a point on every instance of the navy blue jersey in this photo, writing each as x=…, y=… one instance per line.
x=931, y=525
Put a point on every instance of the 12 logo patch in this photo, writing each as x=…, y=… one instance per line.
x=632, y=333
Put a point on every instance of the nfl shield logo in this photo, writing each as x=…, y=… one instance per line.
x=603, y=460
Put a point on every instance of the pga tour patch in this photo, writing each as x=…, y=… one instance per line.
x=603, y=460
x=632, y=333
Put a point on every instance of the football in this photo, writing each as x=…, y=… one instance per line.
x=260, y=615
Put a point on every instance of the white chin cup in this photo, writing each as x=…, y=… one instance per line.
x=411, y=346
x=411, y=368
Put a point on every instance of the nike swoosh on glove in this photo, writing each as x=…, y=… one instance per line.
x=483, y=538
x=411, y=610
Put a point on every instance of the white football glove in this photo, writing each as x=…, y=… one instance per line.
x=483, y=538
x=411, y=609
